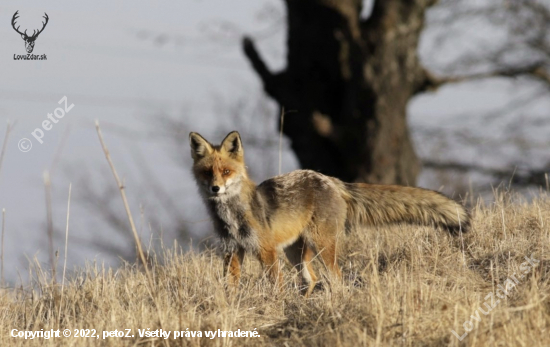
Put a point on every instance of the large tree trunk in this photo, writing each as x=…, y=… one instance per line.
x=347, y=85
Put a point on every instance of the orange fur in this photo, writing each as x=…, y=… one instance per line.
x=302, y=212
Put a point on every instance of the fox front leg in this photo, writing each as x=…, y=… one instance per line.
x=270, y=263
x=232, y=266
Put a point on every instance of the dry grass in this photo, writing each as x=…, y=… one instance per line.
x=403, y=286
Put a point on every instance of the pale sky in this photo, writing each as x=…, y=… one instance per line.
x=130, y=64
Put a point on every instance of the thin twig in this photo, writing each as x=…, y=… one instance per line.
x=49, y=230
x=132, y=225
x=281, y=138
x=60, y=148
x=124, y=199
x=2, y=255
x=66, y=235
x=4, y=145
x=461, y=240
x=66, y=243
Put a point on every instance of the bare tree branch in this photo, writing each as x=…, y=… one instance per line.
x=536, y=70
x=521, y=178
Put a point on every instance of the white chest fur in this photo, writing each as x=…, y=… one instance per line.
x=233, y=216
x=229, y=215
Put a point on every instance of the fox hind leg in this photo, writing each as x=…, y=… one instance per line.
x=300, y=256
x=325, y=239
x=327, y=250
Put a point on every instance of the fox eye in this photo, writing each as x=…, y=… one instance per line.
x=207, y=173
x=226, y=172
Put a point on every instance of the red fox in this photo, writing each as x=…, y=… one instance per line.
x=302, y=212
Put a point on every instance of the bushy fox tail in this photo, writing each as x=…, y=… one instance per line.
x=371, y=204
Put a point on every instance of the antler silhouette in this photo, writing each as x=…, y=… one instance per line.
x=29, y=40
x=45, y=16
x=34, y=33
x=13, y=19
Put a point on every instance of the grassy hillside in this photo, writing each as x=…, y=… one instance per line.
x=402, y=286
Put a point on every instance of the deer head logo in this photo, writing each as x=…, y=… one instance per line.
x=29, y=40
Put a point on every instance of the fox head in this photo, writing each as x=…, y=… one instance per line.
x=219, y=170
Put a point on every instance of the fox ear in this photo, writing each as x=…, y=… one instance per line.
x=232, y=144
x=199, y=146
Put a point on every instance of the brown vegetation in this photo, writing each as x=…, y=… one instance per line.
x=402, y=286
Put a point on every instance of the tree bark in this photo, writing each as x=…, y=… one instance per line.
x=347, y=84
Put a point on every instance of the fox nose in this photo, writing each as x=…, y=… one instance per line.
x=215, y=189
